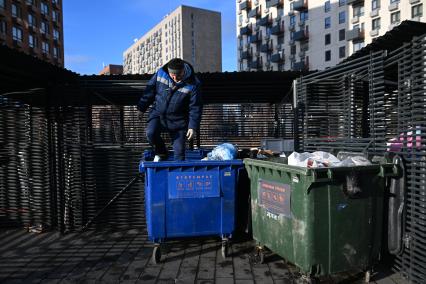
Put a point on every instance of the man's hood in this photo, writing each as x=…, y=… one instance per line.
x=188, y=77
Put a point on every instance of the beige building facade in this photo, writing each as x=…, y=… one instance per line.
x=313, y=34
x=189, y=33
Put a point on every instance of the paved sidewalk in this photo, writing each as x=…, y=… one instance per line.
x=124, y=257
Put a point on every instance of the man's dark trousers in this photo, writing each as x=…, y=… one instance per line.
x=153, y=133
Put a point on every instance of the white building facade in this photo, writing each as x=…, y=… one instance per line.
x=191, y=34
x=313, y=34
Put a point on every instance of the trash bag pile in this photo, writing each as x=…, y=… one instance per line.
x=322, y=159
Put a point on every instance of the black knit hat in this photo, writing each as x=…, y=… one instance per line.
x=175, y=66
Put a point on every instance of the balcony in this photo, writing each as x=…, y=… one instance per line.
x=354, y=34
x=18, y=21
x=277, y=30
x=265, y=48
x=245, y=55
x=255, y=38
x=246, y=5
x=277, y=58
x=354, y=2
x=254, y=13
x=300, y=5
x=300, y=66
x=274, y=3
x=245, y=31
x=33, y=50
x=17, y=43
x=300, y=35
x=32, y=28
x=255, y=64
x=265, y=21
x=56, y=5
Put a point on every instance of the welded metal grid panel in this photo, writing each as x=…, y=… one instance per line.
x=25, y=176
x=412, y=141
x=335, y=104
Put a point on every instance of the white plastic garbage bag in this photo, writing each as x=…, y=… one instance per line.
x=322, y=159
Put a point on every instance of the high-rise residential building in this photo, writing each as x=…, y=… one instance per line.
x=112, y=69
x=313, y=34
x=34, y=27
x=189, y=33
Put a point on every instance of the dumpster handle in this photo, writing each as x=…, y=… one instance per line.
x=396, y=211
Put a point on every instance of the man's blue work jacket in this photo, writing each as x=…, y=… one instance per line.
x=178, y=105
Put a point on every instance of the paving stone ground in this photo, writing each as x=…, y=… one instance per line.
x=124, y=257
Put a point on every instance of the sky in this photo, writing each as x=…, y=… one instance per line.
x=97, y=32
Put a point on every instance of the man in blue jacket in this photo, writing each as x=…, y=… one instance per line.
x=174, y=93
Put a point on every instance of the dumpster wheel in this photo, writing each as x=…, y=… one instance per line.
x=259, y=254
x=156, y=254
x=225, y=248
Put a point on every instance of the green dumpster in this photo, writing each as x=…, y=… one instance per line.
x=323, y=220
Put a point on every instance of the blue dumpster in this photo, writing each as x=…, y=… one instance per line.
x=190, y=198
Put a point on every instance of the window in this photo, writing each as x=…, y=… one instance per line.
x=17, y=34
x=342, y=3
x=2, y=4
x=3, y=27
x=45, y=47
x=55, y=34
x=32, y=20
x=44, y=27
x=32, y=41
x=55, y=52
x=375, y=4
x=44, y=8
x=30, y=2
x=342, y=52
x=342, y=34
x=375, y=24
x=342, y=17
x=292, y=35
x=394, y=1
x=417, y=11
x=291, y=6
x=55, y=16
x=358, y=11
x=327, y=39
x=327, y=55
x=358, y=45
x=16, y=11
x=327, y=23
x=55, y=1
x=395, y=17
x=293, y=49
x=327, y=6
x=292, y=20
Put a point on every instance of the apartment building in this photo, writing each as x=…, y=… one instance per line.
x=313, y=34
x=34, y=27
x=112, y=69
x=189, y=33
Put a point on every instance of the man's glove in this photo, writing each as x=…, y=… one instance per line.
x=190, y=134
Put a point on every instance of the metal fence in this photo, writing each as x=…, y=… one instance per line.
x=376, y=104
x=67, y=150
